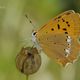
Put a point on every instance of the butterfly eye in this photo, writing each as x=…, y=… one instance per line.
x=34, y=33
x=28, y=61
x=34, y=36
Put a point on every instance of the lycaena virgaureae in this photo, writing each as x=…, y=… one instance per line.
x=59, y=37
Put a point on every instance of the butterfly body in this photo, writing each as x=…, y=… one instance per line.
x=58, y=38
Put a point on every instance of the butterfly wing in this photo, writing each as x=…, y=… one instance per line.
x=55, y=48
x=76, y=33
x=74, y=53
x=53, y=37
x=55, y=21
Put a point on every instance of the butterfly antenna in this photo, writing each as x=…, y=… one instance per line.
x=30, y=21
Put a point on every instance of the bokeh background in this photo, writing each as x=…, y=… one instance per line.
x=15, y=32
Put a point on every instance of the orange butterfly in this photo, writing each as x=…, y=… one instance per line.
x=59, y=37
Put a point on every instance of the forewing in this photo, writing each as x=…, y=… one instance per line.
x=53, y=37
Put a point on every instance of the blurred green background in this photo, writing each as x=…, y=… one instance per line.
x=15, y=32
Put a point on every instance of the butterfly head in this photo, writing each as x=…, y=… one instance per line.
x=34, y=36
x=34, y=39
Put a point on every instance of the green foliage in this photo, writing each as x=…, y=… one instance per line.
x=15, y=28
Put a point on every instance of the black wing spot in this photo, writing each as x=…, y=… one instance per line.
x=64, y=29
x=67, y=23
x=67, y=36
x=66, y=32
x=52, y=29
x=66, y=39
x=58, y=26
x=63, y=20
x=59, y=17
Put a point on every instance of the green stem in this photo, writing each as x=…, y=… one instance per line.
x=27, y=77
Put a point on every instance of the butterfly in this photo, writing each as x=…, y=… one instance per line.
x=28, y=60
x=59, y=37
